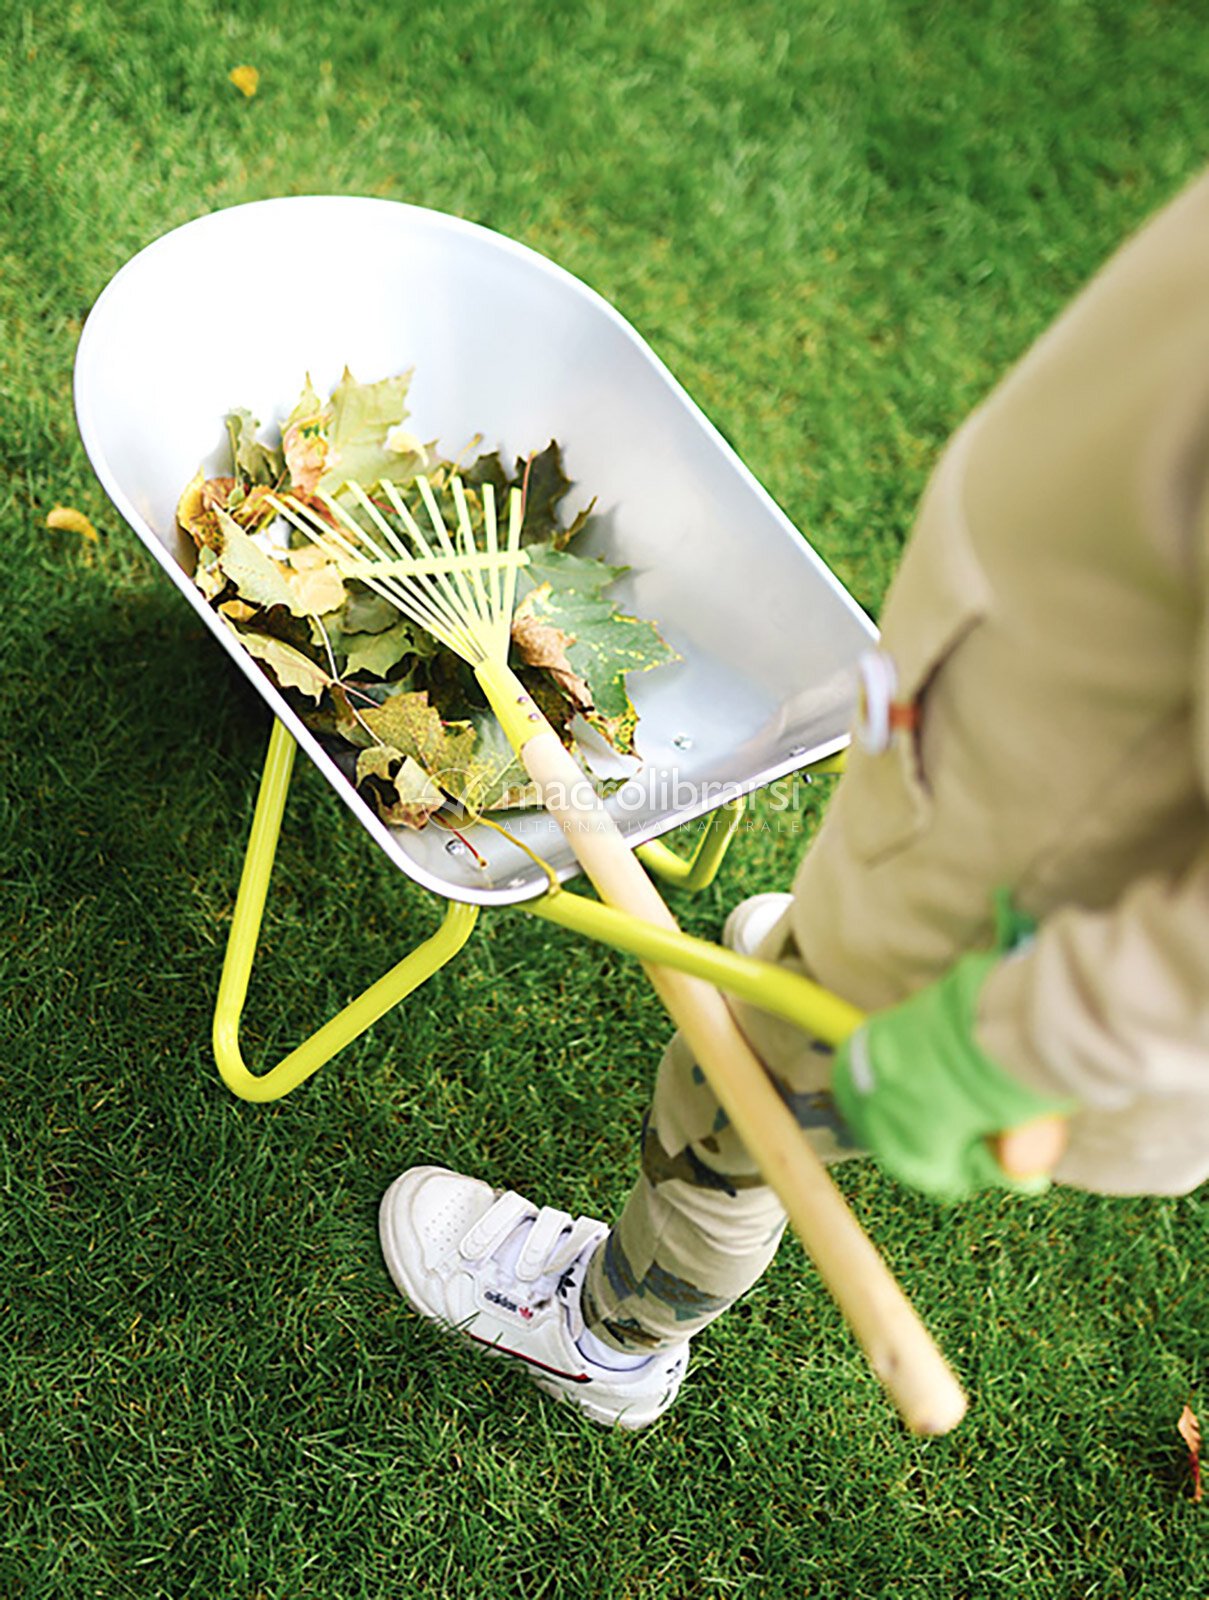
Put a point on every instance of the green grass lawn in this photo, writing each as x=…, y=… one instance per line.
x=837, y=225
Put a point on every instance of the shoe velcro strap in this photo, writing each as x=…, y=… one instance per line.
x=572, y=1239
x=494, y=1226
x=540, y=1252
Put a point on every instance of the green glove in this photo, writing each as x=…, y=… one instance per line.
x=916, y=1090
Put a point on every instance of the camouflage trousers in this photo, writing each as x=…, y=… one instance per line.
x=700, y=1226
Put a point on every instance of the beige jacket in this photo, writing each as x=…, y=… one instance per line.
x=1051, y=622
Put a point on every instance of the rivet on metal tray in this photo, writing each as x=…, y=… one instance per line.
x=683, y=741
x=455, y=847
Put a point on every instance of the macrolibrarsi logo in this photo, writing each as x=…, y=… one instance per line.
x=482, y=787
x=656, y=792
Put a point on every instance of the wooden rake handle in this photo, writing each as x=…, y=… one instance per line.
x=899, y=1348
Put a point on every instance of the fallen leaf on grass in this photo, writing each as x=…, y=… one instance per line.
x=1190, y=1432
x=245, y=79
x=66, y=519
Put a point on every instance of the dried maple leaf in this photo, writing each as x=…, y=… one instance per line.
x=405, y=795
x=290, y=667
x=195, y=510
x=541, y=644
x=314, y=581
x=1189, y=1430
x=409, y=724
x=304, y=442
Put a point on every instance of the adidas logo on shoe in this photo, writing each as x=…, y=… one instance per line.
x=508, y=1305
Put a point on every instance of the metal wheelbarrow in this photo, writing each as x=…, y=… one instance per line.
x=506, y=344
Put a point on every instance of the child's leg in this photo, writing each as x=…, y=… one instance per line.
x=700, y=1225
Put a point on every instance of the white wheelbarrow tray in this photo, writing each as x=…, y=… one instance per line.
x=235, y=309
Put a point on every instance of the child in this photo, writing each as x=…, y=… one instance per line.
x=1037, y=735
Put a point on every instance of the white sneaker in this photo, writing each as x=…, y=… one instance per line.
x=752, y=920
x=494, y=1267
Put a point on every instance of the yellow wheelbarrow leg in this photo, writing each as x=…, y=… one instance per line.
x=836, y=763
x=700, y=869
x=359, y=1014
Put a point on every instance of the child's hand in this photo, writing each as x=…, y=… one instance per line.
x=1033, y=1150
x=936, y=1112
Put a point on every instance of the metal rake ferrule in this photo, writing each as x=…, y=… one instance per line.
x=461, y=595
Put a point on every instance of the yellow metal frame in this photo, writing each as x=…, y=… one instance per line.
x=700, y=869
x=414, y=969
x=770, y=987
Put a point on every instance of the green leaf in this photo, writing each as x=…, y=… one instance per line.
x=563, y=570
x=379, y=652
x=567, y=627
x=489, y=469
x=254, y=461
x=367, y=612
x=362, y=417
x=307, y=407
x=546, y=486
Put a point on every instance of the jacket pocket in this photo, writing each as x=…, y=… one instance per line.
x=939, y=596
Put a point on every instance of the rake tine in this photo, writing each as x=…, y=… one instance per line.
x=432, y=600
x=444, y=603
x=454, y=620
x=453, y=591
x=493, y=549
x=442, y=533
x=403, y=511
x=450, y=632
x=313, y=528
x=516, y=512
x=354, y=527
x=466, y=534
x=377, y=518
